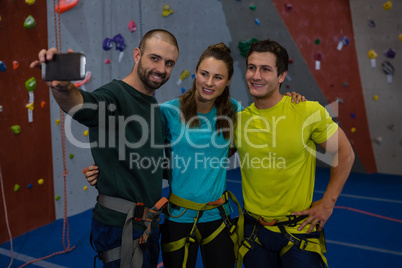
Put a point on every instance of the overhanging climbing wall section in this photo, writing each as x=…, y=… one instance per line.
x=25, y=139
x=323, y=32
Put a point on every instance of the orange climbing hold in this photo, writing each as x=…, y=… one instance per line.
x=65, y=5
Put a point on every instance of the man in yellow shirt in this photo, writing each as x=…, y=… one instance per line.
x=276, y=140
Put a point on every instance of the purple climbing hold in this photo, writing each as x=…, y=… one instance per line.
x=120, y=44
x=107, y=44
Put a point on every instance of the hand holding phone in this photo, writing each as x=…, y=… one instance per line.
x=64, y=67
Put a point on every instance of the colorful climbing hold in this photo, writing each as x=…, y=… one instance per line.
x=29, y=22
x=120, y=44
x=30, y=84
x=252, y=7
x=166, y=10
x=353, y=115
x=288, y=7
x=107, y=44
x=16, y=129
x=86, y=133
x=57, y=197
x=30, y=106
x=30, y=2
x=71, y=156
x=41, y=181
x=132, y=27
x=353, y=130
x=182, y=90
x=388, y=69
x=3, y=67
x=390, y=53
x=378, y=140
x=387, y=5
x=65, y=5
x=245, y=45
x=30, y=186
x=371, y=23
x=107, y=61
x=84, y=81
x=375, y=98
x=15, y=65
x=400, y=37
x=184, y=74
x=257, y=21
x=84, y=171
x=42, y=104
x=317, y=41
x=16, y=187
x=57, y=121
x=85, y=188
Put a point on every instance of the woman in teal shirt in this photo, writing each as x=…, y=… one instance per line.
x=197, y=129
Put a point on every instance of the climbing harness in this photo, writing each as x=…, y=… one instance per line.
x=131, y=251
x=234, y=227
x=316, y=245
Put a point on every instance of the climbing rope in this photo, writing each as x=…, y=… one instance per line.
x=7, y=222
x=66, y=227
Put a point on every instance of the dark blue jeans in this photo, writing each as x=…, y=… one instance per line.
x=106, y=237
x=267, y=255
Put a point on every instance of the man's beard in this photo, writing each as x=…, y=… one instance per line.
x=145, y=77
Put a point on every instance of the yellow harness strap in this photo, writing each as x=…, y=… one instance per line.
x=310, y=244
x=236, y=231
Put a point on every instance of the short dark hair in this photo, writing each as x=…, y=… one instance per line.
x=281, y=54
x=160, y=34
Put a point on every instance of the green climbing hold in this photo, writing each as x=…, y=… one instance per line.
x=244, y=46
x=29, y=22
x=16, y=187
x=16, y=129
x=252, y=7
x=317, y=41
x=30, y=84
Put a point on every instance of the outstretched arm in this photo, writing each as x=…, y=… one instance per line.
x=344, y=156
x=64, y=92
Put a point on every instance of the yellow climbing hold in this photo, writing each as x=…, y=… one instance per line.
x=387, y=5
x=30, y=106
x=372, y=54
x=375, y=97
x=166, y=10
x=85, y=188
x=57, y=121
x=353, y=130
x=41, y=181
x=86, y=133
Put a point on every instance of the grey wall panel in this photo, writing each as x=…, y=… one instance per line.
x=386, y=111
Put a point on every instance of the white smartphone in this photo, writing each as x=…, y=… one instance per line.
x=65, y=67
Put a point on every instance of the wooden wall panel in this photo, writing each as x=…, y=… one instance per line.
x=26, y=157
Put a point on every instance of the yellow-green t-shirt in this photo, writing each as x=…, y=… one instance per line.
x=277, y=149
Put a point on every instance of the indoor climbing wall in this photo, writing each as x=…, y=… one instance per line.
x=378, y=36
x=25, y=138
